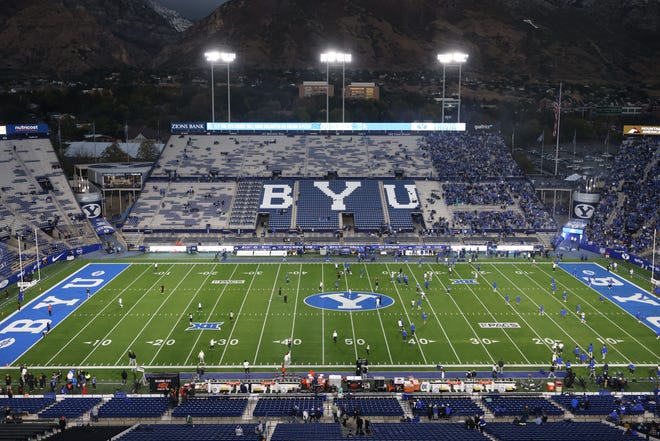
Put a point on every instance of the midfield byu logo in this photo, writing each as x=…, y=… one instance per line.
x=349, y=301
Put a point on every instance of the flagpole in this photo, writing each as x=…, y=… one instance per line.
x=36, y=244
x=20, y=259
x=655, y=232
x=513, y=139
x=542, y=145
x=574, y=144
x=558, y=124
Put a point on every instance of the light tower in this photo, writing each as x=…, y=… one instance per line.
x=452, y=58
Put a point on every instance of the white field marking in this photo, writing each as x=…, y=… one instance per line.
x=460, y=311
x=504, y=331
x=90, y=322
x=436, y=317
x=73, y=312
x=295, y=306
x=270, y=300
x=238, y=314
x=405, y=311
x=199, y=335
x=380, y=319
x=323, y=318
x=614, y=323
x=350, y=315
x=153, y=315
x=406, y=367
x=569, y=311
x=499, y=294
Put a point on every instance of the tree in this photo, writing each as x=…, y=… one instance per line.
x=113, y=153
x=147, y=151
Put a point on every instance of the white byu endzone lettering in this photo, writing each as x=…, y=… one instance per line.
x=26, y=325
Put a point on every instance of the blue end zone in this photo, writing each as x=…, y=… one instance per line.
x=21, y=330
x=629, y=297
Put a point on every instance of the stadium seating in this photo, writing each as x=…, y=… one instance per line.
x=211, y=407
x=315, y=213
x=70, y=407
x=185, y=432
x=424, y=432
x=564, y=431
x=401, y=219
x=370, y=406
x=274, y=407
x=600, y=404
x=26, y=431
x=458, y=406
x=306, y=432
x=134, y=407
x=279, y=219
x=25, y=405
x=88, y=433
x=516, y=406
x=629, y=200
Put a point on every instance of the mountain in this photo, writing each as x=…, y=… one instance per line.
x=175, y=19
x=582, y=41
x=574, y=40
x=59, y=38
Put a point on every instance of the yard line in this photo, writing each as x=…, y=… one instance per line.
x=436, y=318
x=295, y=305
x=564, y=331
x=608, y=319
x=350, y=315
x=153, y=315
x=504, y=331
x=350, y=367
x=89, y=323
x=405, y=311
x=323, y=318
x=380, y=319
x=270, y=300
x=199, y=335
x=515, y=309
x=238, y=314
x=444, y=287
x=561, y=303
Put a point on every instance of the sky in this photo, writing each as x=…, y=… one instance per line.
x=192, y=9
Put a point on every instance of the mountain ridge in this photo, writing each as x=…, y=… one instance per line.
x=526, y=40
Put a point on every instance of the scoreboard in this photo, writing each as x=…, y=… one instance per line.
x=126, y=181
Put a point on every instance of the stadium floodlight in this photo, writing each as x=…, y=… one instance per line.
x=446, y=59
x=212, y=57
x=335, y=57
x=227, y=58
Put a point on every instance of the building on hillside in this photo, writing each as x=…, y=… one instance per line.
x=311, y=88
x=364, y=91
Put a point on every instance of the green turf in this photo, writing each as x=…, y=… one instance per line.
x=153, y=324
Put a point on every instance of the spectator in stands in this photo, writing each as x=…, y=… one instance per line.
x=482, y=424
x=62, y=423
x=239, y=431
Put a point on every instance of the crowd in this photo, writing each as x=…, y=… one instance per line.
x=487, y=193
x=75, y=382
x=628, y=208
x=470, y=156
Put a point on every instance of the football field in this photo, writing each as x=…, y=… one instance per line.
x=464, y=315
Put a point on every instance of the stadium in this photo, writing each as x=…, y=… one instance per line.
x=401, y=281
